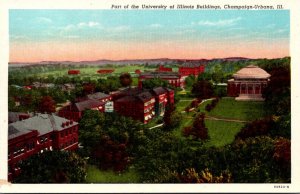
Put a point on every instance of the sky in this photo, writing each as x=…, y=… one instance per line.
x=79, y=35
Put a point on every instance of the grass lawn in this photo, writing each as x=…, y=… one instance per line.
x=94, y=175
x=221, y=132
x=232, y=109
x=91, y=71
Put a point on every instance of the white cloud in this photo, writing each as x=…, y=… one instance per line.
x=88, y=24
x=43, y=20
x=279, y=31
x=270, y=26
x=72, y=36
x=120, y=28
x=156, y=26
x=19, y=37
x=228, y=22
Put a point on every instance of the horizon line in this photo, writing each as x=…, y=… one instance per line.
x=165, y=58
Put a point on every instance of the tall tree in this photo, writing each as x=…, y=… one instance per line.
x=125, y=79
x=46, y=105
x=203, y=89
x=53, y=167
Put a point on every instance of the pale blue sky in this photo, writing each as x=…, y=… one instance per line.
x=173, y=28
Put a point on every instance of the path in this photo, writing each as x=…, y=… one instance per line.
x=220, y=119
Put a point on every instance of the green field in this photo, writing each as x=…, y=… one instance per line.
x=228, y=108
x=221, y=132
x=90, y=71
x=94, y=175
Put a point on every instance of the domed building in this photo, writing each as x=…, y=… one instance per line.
x=248, y=83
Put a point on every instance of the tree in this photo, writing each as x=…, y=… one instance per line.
x=125, y=79
x=191, y=176
x=155, y=82
x=202, y=89
x=46, y=105
x=90, y=127
x=199, y=131
x=53, y=167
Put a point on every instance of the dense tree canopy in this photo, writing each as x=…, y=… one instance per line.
x=202, y=89
x=53, y=167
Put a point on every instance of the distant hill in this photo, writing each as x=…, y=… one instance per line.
x=126, y=62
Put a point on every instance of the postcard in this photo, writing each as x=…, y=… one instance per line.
x=140, y=96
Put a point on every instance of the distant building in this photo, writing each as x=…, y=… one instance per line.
x=73, y=72
x=74, y=111
x=18, y=116
x=187, y=69
x=161, y=68
x=173, y=78
x=102, y=97
x=37, y=134
x=142, y=105
x=248, y=83
x=105, y=71
x=137, y=71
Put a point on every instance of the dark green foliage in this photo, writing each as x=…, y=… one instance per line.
x=156, y=82
x=125, y=79
x=256, y=128
x=278, y=91
x=90, y=127
x=53, y=167
x=202, y=89
x=198, y=131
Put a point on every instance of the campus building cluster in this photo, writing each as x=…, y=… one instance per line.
x=30, y=135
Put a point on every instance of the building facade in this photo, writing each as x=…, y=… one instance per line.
x=142, y=105
x=161, y=68
x=73, y=72
x=248, y=83
x=173, y=78
x=187, y=69
x=74, y=111
x=37, y=134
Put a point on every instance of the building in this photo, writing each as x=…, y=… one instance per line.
x=163, y=96
x=18, y=116
x=248, y=83
x=73, y=72
x=161, y=68
x=187, y=69
x=142, y=105
x=37, y=134
x=173, y=78
x=74, y=111
x=101, y=97
x=105, y=71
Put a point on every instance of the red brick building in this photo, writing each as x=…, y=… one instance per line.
x=105, y=71
x=142, y=105
x=161, y=68
x=73, y=72
x=74, y=111
x=37, y=134
x=248, y=83
x=187, y=69
x=174, y=78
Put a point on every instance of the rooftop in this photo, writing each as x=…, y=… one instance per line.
x=43, y=123
x=251, y=72
x=88, y=104
x=97, y=96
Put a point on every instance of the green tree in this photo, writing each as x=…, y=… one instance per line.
x=53, y=167
x=90, y=127
x=155, y=82
x=202, y=89
x=125, y=79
